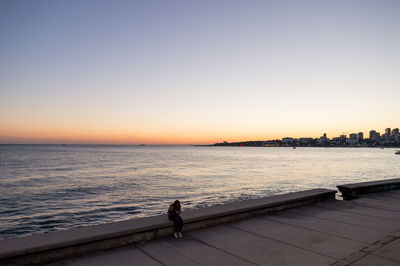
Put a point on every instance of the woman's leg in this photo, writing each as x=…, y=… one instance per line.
x=180, y=223
x=176, y=223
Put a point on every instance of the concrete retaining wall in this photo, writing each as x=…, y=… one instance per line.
x=55, y=246
x=352, y=191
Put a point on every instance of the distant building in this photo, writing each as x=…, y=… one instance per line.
x=377, y=136
x=360, y=136
x=337, y=141
x=287, y=140
x=353, y=136
x=353, y=140
x=323, y=140
x=306, y=141
x=386, y=136
x=372, y=135
x=396, y=135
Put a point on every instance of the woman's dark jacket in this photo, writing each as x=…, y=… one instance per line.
x=173, y=211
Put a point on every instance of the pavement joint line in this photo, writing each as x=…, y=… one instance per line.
x=381, y=201
x=341, y=210
x=220, y=249
x=347, y=211
x=313, y=230
x=351, y=258
x=396, y=234
x=283, y=242
x=393, y=259
x=333, y=220
x=180, y=252
x=368, y=205
x=380, y=205
x=363, y=252
x=161, y=263
x=327, y=233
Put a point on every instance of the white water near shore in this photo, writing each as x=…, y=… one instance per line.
x=52, y=187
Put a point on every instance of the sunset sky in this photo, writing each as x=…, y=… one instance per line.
x=196, y=72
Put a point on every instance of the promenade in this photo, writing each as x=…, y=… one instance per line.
x=302, y=228
x=363, y=231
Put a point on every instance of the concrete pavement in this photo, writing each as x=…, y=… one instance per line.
x=364, y=231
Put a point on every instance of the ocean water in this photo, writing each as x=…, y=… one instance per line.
x=45, y=188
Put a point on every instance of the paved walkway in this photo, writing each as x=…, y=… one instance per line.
x=365, y=231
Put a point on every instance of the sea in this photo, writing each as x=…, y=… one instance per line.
x=46, y=188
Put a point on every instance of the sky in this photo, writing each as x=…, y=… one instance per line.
x=196, y=72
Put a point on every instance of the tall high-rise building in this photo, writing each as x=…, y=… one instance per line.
x=360, y=135
x=387, y=136
x=372, y=135
x=396, y=135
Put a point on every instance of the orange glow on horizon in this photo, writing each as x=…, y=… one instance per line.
x=92, y=136
x=43, y=132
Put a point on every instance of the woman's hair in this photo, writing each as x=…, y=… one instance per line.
x=176, y=203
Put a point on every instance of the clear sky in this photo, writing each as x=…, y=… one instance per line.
x=196, y=72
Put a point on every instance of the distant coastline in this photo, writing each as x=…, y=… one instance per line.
x=391, y=138
x=268, y=144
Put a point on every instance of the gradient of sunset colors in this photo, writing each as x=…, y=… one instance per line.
x=196, y=72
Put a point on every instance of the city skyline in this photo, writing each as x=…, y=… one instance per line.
x=138, y=72
x=372, y=134
x=391, y=138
